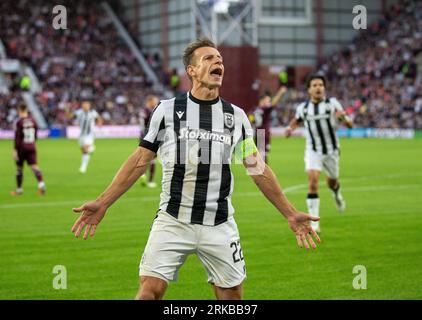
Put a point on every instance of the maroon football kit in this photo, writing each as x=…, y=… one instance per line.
x=25, y=137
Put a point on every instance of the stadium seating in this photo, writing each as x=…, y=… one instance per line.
x=375, y=77
x=88, y=60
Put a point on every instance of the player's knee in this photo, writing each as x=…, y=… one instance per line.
x=332, y=183
x=145, y=294
x=151, y=289
x=149, y=293
x=233, y=293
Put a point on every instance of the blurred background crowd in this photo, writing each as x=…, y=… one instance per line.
x=375, y=77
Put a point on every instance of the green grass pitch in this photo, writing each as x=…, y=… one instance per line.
x=381, y=229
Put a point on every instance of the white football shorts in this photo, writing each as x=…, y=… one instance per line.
x=86, y=140
x=329, y=163
x=171, y=241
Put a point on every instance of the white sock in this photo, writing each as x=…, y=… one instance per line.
x=85, y=160
x=41, y=185
x=313, y=209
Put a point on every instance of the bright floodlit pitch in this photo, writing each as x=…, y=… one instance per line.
x=381, y=229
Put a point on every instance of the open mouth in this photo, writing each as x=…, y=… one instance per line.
x=217, y=72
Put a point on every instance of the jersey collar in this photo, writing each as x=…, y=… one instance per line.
x=202, y=102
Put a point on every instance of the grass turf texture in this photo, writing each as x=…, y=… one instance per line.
x=381, y=229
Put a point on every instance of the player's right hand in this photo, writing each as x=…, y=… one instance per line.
x=288, y=132
x=300, y=223
x=92, y=214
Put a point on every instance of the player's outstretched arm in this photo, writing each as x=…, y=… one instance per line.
x=294, y=124
x=99, y=121
x=93, y=212
x=343, y=117
x=280, y=93
x=267, y=182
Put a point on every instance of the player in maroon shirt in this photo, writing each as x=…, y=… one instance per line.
x=262, y=120
x=151, y=102
x=25, y=150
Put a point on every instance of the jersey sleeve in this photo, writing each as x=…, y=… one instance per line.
x=245, y=146
x=336, y=104
x=299, y=113
x=155, y=130
x=77, y=114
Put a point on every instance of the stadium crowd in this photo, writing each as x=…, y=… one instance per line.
x=8, y=108
x=375, y=77
x=88, y=60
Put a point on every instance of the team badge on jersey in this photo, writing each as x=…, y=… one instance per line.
x=228, y=120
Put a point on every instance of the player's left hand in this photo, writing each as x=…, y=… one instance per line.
x=92, y=214
x=305, y=235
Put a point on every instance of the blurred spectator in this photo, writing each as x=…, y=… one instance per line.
x=174, y=81
x=87, y=60
x=25, y=83
x=8, y=109
x=376, y=76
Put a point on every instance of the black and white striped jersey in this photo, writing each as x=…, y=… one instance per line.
x=320, y=123
x=195, y=140
x=86, y=121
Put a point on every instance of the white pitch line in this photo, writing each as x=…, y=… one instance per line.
x=379, y=188
x=70, y=202
x=294, y=189
x=235, y=194
x=290, y=189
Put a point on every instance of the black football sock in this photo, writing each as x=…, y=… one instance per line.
x=151, y=171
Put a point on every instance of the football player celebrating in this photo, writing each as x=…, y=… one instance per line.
x=198, y=132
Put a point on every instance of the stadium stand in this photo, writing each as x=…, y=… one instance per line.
x=86, y=61
x=8, y=108
x=376, y=77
